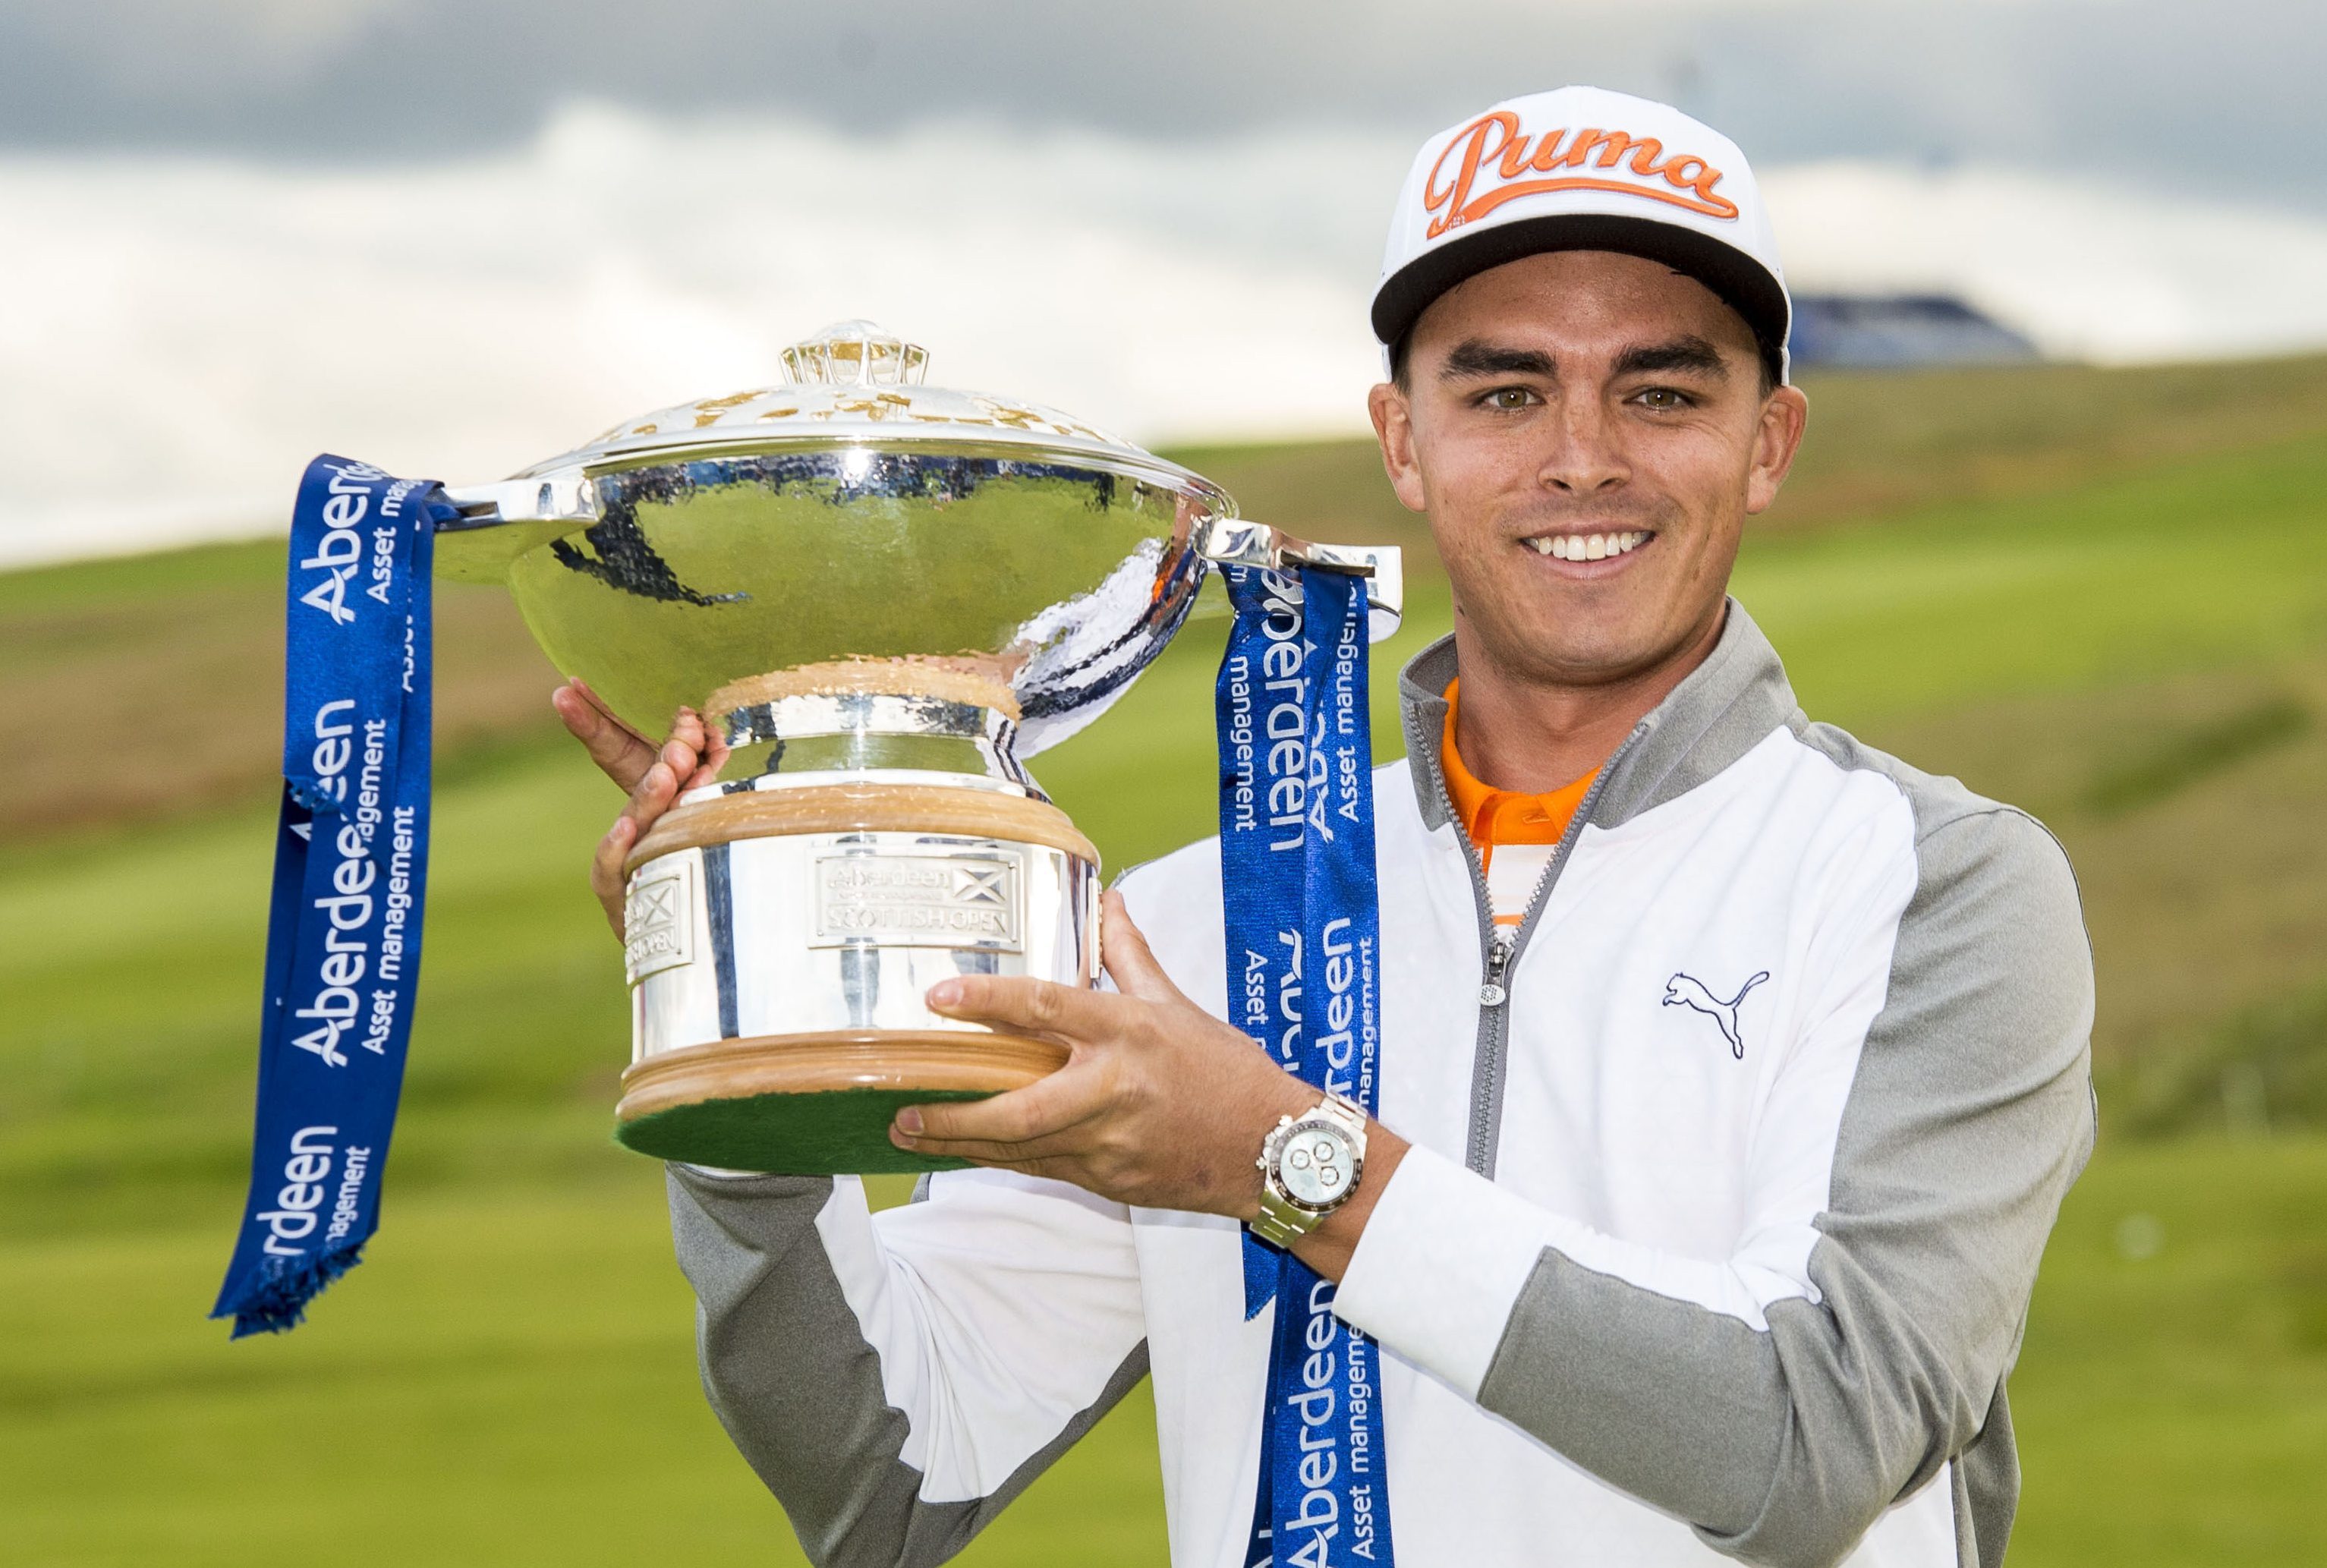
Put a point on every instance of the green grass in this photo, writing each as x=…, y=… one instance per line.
x=2172, y=1405
x=2174, y=758
x=513, y=1384
x=2102, y=595
x=2198, y=565
x=510, y=1379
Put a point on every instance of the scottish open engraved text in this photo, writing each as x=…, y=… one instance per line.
x=918, y=901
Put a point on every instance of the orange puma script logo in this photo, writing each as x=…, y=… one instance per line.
x=1498, y=136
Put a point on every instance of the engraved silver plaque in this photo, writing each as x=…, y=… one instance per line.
x=658, y=918
x=919, y=901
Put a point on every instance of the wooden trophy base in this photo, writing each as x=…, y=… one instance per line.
x=814, y=1105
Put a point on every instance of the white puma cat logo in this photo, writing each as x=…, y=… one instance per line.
x=1689, y=991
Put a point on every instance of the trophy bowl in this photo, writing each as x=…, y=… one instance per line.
x=885, y=596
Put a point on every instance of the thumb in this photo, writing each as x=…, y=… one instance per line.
x=1130, y=962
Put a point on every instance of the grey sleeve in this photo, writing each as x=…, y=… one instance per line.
x=792, y=1376
x=1969, y=1116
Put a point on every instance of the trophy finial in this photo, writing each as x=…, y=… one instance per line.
x=855, y=353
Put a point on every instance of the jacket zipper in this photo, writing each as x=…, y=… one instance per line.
x=1500, y=949
x=1499, y=959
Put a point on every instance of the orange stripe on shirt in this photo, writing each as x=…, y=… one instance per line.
x=1492, y=816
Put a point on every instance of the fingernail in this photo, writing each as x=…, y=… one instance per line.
x=945, y=993
x=908, y=1122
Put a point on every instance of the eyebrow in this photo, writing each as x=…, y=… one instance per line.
x=1476, y=357
x=1683, y=354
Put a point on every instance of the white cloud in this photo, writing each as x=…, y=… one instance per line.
x=197, y=330
x=2091, y=272
x=182, y=335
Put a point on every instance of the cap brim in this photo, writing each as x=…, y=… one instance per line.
x=1744, y=283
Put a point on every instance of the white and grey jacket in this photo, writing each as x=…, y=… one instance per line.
x=1718, y=1236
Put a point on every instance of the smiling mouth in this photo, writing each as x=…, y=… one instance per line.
x=1588, y=547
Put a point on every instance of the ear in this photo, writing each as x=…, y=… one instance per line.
x=1394, y=428
x=1785, y=414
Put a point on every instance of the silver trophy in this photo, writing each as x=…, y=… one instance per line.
x=886, y=595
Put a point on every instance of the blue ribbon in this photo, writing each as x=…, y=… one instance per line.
x=1302, y=915
x=350, y=866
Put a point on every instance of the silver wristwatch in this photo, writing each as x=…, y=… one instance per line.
x=1309, y=1166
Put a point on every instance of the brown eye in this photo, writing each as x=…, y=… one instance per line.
x=1662, y=397
x=1509, y=397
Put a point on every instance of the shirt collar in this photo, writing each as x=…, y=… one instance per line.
x=1724, y=708
x=1492, y=816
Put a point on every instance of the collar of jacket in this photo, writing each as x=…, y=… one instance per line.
x=1724, y=708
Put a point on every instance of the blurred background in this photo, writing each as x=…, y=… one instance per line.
x=2058, y=530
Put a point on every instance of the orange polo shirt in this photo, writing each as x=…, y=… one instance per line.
x=1493, y=818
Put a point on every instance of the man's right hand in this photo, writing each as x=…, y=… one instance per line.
x=654, y=776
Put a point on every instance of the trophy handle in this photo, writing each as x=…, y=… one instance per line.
x=1241, y=542
x=501, y=521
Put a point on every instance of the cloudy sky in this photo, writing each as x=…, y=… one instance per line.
x=456, y=236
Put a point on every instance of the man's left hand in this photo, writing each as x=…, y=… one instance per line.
x=1160, y=1103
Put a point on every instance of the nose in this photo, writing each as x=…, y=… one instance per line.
x=1584, y=456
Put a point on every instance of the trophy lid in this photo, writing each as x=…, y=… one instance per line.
x=852, y=382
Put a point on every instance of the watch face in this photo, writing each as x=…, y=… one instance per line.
x=1316, y=1168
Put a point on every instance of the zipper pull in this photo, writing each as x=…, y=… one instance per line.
x=1498, y=959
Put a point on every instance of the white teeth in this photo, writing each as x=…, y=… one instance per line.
x=1587, y=546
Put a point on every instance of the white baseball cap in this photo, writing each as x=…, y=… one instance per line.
x=1584, y=169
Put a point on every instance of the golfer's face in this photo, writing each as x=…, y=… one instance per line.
x=1587, y=433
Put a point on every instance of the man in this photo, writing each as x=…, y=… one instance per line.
x=1732, y=1073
